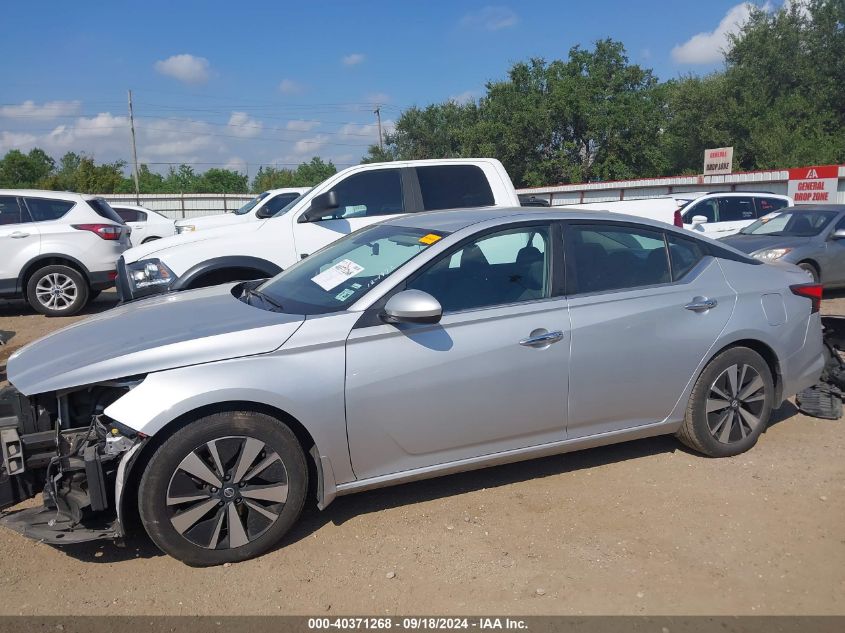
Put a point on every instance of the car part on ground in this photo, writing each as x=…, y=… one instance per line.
x=824, y=400
x=422, y=346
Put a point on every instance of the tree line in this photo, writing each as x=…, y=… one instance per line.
x=75, y=172
x=779, y=101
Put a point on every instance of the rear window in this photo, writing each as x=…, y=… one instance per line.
x=130, y=215
x=767, y=205
x=454, y=187
x=102, y=208
x=43, y=209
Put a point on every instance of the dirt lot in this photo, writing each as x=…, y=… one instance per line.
x=639, y=528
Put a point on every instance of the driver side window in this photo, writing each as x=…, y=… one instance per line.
x=507, y=267
x=370, y=193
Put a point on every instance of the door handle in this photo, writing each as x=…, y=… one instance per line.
x=542, y=339
x=18, y=234
x=700, y=304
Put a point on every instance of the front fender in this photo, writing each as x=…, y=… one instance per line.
x=266, y=268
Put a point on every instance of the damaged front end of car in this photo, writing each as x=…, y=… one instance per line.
x=62, y=444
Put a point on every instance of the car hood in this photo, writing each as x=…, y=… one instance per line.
x=163, y=332
x=210, y=221
x=157, y=248
x=754, y=243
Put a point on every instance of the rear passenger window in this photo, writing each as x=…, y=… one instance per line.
x=42, y=209
x=684, y=254
x=736, y=209
x=127, y=215
x=767, y=205
x=610, y=257
x=454, y=187
x=10, y=212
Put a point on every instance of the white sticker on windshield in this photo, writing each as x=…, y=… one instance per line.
x=337, y=274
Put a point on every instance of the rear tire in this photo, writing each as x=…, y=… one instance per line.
x=57, y=290
x=241, y=480
x=730, y=404
x=810, y=269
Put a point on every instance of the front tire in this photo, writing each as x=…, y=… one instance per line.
x=810, y=269
x=57, y=290
x=223, y=489
x=730, y=404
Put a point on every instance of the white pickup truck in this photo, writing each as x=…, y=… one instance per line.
x=345, y=202
x=265, y=205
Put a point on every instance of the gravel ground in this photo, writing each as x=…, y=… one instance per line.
x=638, y=528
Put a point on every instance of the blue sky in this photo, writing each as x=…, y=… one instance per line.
x=239, y=85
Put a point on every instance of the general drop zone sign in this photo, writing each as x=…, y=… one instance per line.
x=813, y=185
x=718, y=161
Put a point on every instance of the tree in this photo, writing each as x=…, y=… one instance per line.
x=24, y=171
x=217, y=180
x=305, y=175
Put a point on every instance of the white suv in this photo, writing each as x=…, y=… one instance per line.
x=264, y=205
x=724, y=213
x=58, y=250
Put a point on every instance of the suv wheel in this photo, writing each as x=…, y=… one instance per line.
x=730, y=404
x=57, y=290
x=223, y=489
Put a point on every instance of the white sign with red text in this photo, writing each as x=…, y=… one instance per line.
x=813, y=185
x=718, y=161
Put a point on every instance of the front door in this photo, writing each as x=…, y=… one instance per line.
x=20, y=242
x=639, y=328
x=364, y=198
x=490, y=377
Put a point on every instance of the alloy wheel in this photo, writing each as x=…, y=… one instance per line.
x=735, y=403
x=56, y=291
x=227, y=492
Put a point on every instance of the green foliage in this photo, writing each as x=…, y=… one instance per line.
x=305, y=175
x=81, y=173
x=24, y=171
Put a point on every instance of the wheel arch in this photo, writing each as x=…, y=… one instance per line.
x=766, y=351
x=321, y=484
x=813, y=263
x=51, y=259
x=263, y=267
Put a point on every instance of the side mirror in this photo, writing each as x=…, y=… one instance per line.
x=319, y=206
x=264, y=212
x=699, y=219
x=838, y=234
x=412, y=306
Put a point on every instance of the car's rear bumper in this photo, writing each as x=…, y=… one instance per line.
x=102, y=280
x=804, y=367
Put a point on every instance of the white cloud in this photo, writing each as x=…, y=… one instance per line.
x=709, y=47
x=16, y=140
x=236, y=163
x=291, y=87
x=186, y=68
x=311, y=145
x=300, y=125
x=47, y=110
x=465, y=97
x=243, y=125
x=353, y=59
x=491, y=18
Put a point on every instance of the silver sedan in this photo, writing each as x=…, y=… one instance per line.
x=427, y=345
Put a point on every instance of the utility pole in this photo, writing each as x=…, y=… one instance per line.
x=377, y=112
x=134, y=152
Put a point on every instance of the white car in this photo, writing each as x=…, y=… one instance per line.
x=146, y=225
x=347, y=201
x=58, y=250
x=716, y=214
x=724, y=213
x=264, y=205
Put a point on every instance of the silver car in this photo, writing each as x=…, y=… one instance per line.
x=427, y=345
x=812, y=236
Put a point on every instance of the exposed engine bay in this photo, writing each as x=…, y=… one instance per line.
x=824, y=400
x=63, y=445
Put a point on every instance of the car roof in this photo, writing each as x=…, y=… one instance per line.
x=44, y=193
x=814, y=207
x=456, y=219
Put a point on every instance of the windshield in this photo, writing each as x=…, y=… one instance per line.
x=288, y=206
x=335, y=277
x=792, y=223
x=249, y=206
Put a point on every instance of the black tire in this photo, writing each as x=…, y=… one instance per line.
x=164, y=478
x=93, y=294
x=810, y=269
x=708, y=433
x=57, y=290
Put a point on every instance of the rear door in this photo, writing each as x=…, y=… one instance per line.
x=637, y=335
x=137, y=221
x=735, y=213
x=20, y=242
